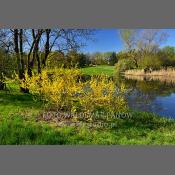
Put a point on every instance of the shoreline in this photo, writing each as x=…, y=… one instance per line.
x=157, y=73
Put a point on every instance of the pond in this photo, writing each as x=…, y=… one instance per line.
x=150, y=94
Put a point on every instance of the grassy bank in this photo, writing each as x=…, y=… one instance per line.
x=19, y=125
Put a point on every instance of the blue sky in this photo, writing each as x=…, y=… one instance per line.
x=109, y=40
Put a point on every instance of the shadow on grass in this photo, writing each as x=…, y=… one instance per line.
x=16, y=101
x=20, y=99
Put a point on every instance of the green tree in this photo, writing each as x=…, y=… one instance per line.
x=83, y=60
x=123, y=65
x=113, y=59
x=151, y=61
x=169, y=55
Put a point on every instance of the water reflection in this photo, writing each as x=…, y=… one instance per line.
x=153, y=94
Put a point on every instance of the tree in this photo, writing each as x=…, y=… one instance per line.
x=72, y=59
x=149, y=40
x=99, y=58
x=169, y=54
x=147, y=62
x=124, y=64
x=8, y=66
x=65, y=40
x=113, y=59
x=39, y=44
x=44, y=41
x=83, y=61
x=139, y=43
x=56, y=59
x=169, y=50
x=129, y=37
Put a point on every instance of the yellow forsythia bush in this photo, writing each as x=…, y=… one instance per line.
x=101, y=93
x=64, y=90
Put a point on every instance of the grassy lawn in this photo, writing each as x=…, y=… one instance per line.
x=18, y=125
x=105, y=69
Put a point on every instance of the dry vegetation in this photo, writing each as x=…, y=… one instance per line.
x=170, y=72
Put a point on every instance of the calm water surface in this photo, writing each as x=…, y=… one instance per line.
x=151, y=94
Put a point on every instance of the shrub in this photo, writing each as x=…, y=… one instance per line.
x=124, y=64
x=8, y=64
x=56, y=59
x=64, y=90
x=113, y=59
x=101, y=93
x=153, y=61
x=169, y=54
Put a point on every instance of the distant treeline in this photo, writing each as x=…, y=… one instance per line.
x=143, y=50
x=73, y=58
x=8, y=61
x=134, y=59
x=124, y=60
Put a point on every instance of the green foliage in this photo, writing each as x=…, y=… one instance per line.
x=169, y=54
x=103, y=58
x=98, y=58
x=83, y=60
x=71, y=59
x=153, y=61
x=124, y=64
x=8, y=64
x=56, y=59
x=113, y=59
x=123, y=55
x=135, y=59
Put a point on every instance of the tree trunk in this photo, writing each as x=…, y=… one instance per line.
x=47, y=47
x=21, y=53
x=22, y=70
x=2, y=85
x=16, y=34
x=34, y=48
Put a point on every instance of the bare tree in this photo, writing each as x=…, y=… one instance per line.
x=34, y=48
x=16, y=49
x=142, y=41
x=149, y=40
x=64, y=40
x=129, y=37
x=39, y=43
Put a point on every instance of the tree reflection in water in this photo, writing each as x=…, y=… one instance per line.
x=151, y=94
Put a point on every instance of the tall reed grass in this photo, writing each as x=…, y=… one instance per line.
x=170, y=72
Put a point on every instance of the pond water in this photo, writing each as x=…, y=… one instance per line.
x=155, y=94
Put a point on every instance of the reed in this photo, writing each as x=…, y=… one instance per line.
x=170, y=72
x=163, y=79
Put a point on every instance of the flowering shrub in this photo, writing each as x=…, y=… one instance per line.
x=63, y=89
x=101, y=93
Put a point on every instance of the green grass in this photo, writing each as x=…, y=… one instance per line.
x=96, y=70
x=13, y=102
x=18, y=125
x=142, y=129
